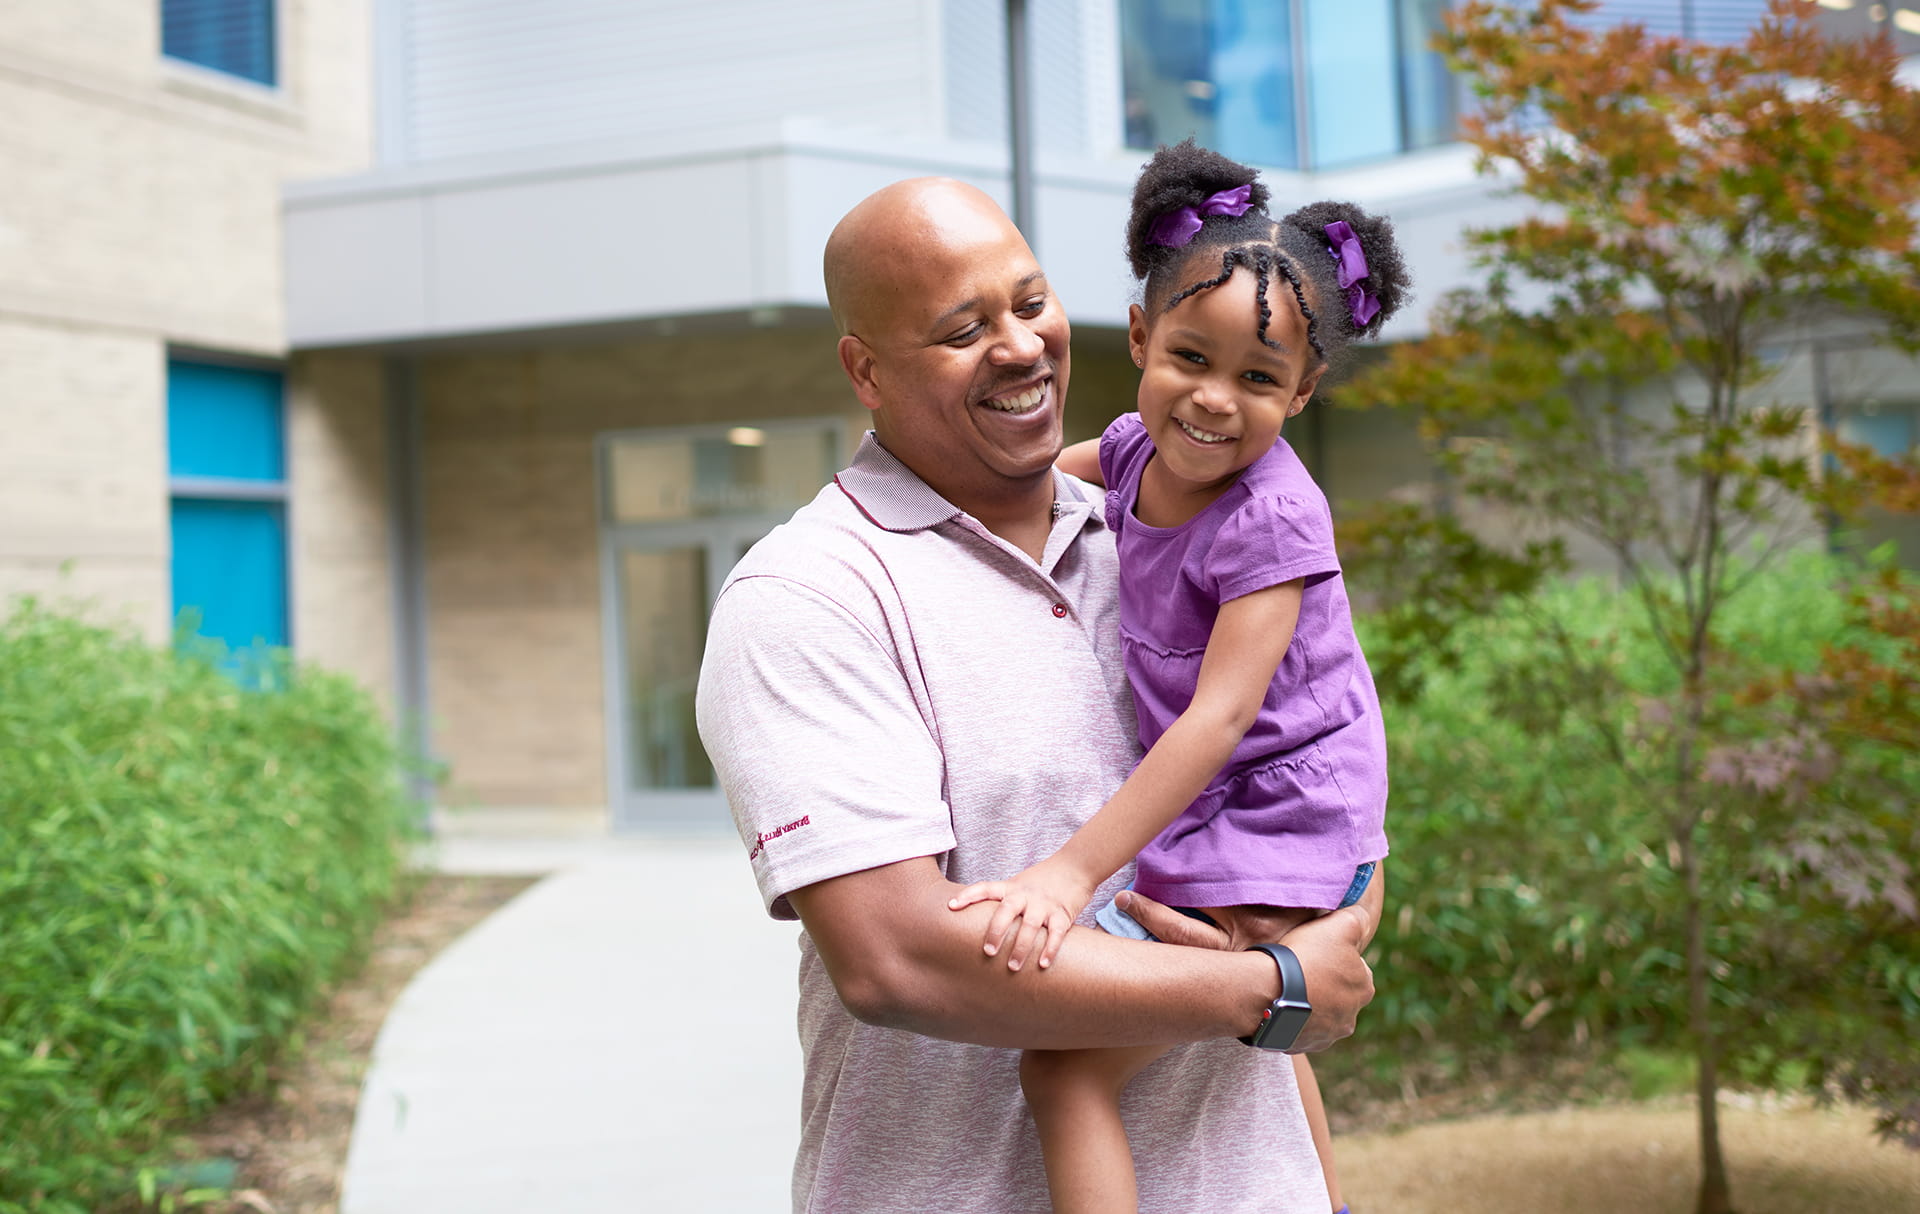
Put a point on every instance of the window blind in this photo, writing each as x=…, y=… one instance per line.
x=231, y=36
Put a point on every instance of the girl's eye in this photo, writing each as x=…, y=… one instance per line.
x=1190, y=356
x=1261, y=377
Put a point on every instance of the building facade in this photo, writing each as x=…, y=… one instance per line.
x=146, y=417
x=582, y=285
x=540, y=300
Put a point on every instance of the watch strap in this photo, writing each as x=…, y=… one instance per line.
x=1280, y=1025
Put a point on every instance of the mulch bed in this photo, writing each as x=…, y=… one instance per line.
x=288, y=1147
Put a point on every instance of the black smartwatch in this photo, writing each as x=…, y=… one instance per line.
x=1284, y=1018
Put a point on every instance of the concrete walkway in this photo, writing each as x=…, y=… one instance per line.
x=619, y=1038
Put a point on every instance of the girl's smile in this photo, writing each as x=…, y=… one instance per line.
x=1213, y=396
x=1202, y=436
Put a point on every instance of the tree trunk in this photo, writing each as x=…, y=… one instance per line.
x=1715, y=1196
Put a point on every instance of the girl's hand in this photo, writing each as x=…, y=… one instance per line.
x=1037, y=905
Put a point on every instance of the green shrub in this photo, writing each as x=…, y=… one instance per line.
x=1652, y=1073
x=1534, y=904
x=185, y=865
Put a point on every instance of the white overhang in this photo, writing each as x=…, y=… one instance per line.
x=731, y=225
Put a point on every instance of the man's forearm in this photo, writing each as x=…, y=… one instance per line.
x=900, y=958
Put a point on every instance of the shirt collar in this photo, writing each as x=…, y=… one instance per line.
x=892, y=497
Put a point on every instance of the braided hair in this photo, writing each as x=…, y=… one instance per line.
x=1296, y=250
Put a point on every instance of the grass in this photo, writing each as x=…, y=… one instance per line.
x=1784, y=1157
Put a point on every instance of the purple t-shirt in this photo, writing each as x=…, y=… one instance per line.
x=1303, y=799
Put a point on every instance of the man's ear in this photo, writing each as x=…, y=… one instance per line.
x=1137, y=334
x=857, y=360
x=1304, y=392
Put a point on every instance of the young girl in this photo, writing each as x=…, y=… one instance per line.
x=1265, y=778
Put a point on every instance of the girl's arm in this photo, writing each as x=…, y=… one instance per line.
x=1082, y=460
x=1250, y=637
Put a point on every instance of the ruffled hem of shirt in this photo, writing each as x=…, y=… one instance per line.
x=1310, y=892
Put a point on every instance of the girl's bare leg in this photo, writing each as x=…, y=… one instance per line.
x=1279, y=922
x=1075, y=1098
x=1317, y=1122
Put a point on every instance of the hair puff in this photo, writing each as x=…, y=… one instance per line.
x=1387, y=276
x=1184, y=175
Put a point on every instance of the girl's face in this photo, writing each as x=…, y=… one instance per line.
x=1212, y=395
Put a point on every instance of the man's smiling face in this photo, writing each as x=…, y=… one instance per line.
x=958, y=345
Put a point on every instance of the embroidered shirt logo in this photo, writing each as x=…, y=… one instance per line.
x=760, y=843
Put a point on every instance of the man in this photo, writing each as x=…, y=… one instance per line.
x=917, y=683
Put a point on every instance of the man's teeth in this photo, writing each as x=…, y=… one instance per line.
x=1023, y=403
x=1202, y=435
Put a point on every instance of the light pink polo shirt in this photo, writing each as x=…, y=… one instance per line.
x=885, y=679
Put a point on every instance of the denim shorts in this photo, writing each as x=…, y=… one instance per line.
x=1119, y=923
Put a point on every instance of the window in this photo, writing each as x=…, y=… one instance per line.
x=1289, y=83
x=231, y=36
x=1889, y=429
x=1300, y=84
x=1716, y=21
x=226, y=456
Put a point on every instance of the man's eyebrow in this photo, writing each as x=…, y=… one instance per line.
x=951, y=314
x=960, y=309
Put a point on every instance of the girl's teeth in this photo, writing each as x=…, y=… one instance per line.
x=1202, y=435
x=1022, y=403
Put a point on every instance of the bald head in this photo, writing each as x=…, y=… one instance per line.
x=881, y=249
x=951, y=336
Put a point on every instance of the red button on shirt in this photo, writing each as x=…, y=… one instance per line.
x=1060, y=611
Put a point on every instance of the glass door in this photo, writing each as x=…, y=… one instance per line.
x=664, y=597
x=664, y=583
x=680, y=510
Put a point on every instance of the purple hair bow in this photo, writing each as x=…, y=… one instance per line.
x=1351, y=259
x=1178, y=226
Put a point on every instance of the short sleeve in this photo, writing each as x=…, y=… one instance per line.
x=1120, y=445
x=827, y=764
x=1271, y=540
x=1123, y=448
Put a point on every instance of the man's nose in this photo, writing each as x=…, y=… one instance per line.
x=1021, y=345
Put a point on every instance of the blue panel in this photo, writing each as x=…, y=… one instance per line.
x=1717, y=21
x=1352, y=81
x=1889, y=434
x=1219, y=70
x=231, y=36
x=1253, y=82
x=1429, y=95
x=224, y=421
x=230, y=566
x=1165, y=72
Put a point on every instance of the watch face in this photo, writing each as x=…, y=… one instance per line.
x=1287, y=1023
x=1281, y=1024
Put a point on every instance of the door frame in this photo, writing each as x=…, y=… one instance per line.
x=630, y=809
